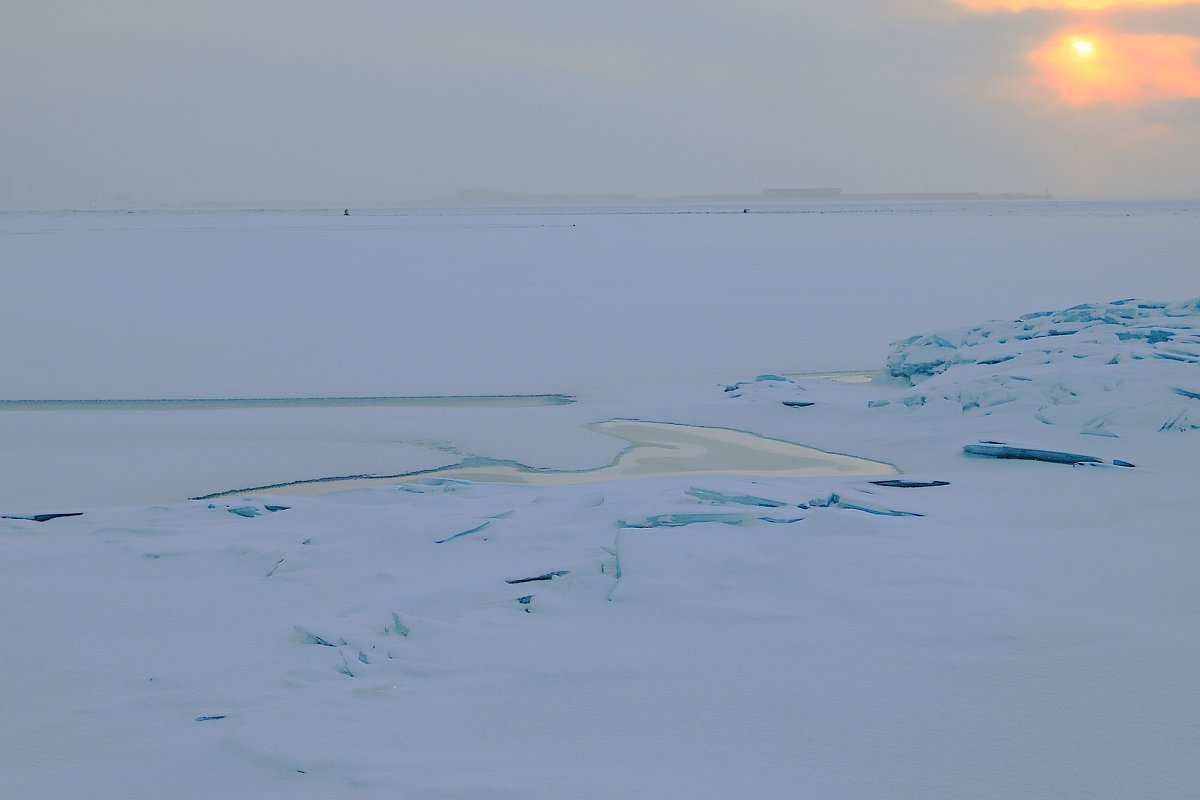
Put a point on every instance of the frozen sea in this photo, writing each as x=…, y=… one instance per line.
x=613, y=306
x=656, y=589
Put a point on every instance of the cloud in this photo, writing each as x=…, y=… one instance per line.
x=377, y=101
x=1077, y=5
x=1177, y=113
x=1088, y=65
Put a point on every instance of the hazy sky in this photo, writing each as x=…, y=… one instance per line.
x=363, y=101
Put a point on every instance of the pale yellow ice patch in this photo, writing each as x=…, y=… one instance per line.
x=839, y=377
x=657, y=450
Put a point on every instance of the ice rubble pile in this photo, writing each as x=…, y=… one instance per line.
x=1104, y=368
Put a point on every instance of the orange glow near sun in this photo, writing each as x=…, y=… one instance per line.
x=1103, y=66
x=1079, y=5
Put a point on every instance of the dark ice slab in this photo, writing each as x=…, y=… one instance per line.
x=42, y=517
x=1000, y=450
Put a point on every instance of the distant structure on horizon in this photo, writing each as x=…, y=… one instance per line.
x=486, y=197
x=807, y=193
x=827, y=193
x=771, y=195
x=823, y=193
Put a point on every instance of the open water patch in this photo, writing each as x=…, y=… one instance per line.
x=225, y=403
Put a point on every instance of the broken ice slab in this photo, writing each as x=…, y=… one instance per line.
x=835, y=500
x=210, y=717
x=245, y=511
x=912, y=401
x=1187, y=359
x=308, y=637
x=759, y=379
x=883, y=512
x=1188, y=394
x=544, y=577
x=476, y=529
x=1096, y=428
x=276, y=508
x=679, y=520
x=720, y=498
x=1151, y=337
x=901, y=484
x=1178, y=421
x=42, y=517
x=798, y=403
x=1000, y=450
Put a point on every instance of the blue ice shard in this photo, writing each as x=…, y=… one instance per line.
x=245, y=511
x=308, y=637
x=679, y=520
x=476, y=529
x=719, y=498
x=835, y=500
x=544, y=577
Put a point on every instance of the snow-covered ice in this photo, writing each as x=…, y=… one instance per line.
x=971, y=627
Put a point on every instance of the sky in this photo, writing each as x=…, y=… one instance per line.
x=147, y=102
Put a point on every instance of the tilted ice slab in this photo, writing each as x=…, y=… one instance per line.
x=656, y=449
x=1101, y=368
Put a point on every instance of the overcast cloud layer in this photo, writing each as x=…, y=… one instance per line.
x=141, y=102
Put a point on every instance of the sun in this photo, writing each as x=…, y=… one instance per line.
x=1098, y=66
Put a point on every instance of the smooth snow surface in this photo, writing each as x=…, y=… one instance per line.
x=294, y=304
x=985, y=628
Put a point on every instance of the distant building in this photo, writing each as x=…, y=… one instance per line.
x=487, y=197
x=808, y=193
